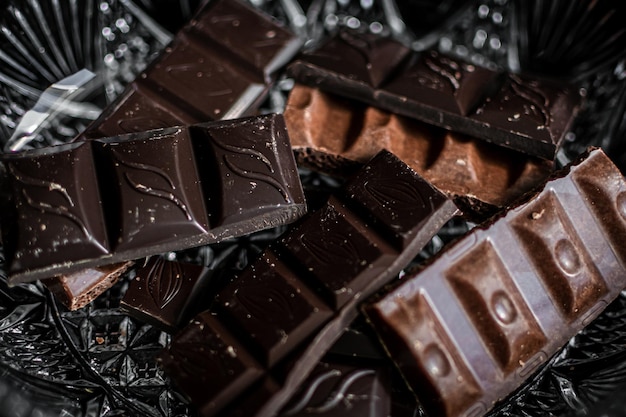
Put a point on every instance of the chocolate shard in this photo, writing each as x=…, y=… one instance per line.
x=289, y=306
x=166, y=293
x=331, y=134
x=517, y=112
x=488, y=311
x=127, y=197
x=78, y=289
x=212, y=70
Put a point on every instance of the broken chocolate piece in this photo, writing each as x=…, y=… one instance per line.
x=278, y=318
x=212, y=70
x=98, y=202
x=517, y=112
x=165, y=293
x=330, y=134
x=78, y=289
x=488, y=311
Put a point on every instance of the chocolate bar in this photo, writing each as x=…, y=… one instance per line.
x=488, y=311
x=340, y=388
x=330, y=133
x=270, y=326
x=92, y=203
x=165, y=293
x=511, y=110
x=219, y=66
x=78, y=289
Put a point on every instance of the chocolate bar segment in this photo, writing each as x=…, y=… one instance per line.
x=212, y=70
x=335, y=135
x=78, y=289
x=469, y=328
x=520, y=113
x=165, y=293
x=127, y=197
x=338, y=388
x=289, y=306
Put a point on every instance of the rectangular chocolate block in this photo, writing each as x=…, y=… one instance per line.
x=335, y=135
x=78, y=289
x=514, y=111
x=488, y=311
x=277, y=319
x=98, y=202
x=166, y=293
x=219, y=66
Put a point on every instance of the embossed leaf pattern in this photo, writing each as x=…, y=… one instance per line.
x=231, y=158
x=34, y=186
x=398, y=197
x=330, y=248
x=139, y=176
x=165, y=280
x=342, y=392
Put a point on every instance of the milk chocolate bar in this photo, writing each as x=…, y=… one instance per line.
x=488, y=311
x=165, y=293
x=78, y=289
x=92, y=203
x=219, y=66
x=332, y=134
x=511, y=110
x=270, y=326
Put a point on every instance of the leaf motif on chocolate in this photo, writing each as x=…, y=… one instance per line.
x=330, y=248
x=538, y=101
x=396, y=196
x=229, y=161
x=59, y=210
x=150, y=170
x=339, y=394
x=164, y=281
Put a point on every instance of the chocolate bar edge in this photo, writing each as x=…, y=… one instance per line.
x=333, y=330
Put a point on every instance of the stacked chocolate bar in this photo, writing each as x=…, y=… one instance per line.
x=422, y=137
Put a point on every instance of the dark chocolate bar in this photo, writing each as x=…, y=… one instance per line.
x=219, y=66
x=330, y=134
x=271, y=325
x=164, y=293
x=488, y=311
x=340, y=388
x=97, y=202
x=78, y=289
x=514, y=111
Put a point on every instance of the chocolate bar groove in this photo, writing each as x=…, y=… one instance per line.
x=287, y=321
x=509, y=294
x=107, y=200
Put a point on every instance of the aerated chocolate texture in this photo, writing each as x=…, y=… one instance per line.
x=331, y=133
x=103, y=201
x=473, y=325
x=271, y=325
x=219, y=66
x=511, y=110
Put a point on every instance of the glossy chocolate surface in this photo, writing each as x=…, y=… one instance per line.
x=109, y=200
x=164, y=293
x=212, y=70
x=78, y=289
x=488, y=311
x=283, y=312
x=517, y=112
x=335, y=135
